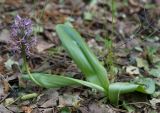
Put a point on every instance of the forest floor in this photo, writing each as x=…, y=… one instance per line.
x=125, y=37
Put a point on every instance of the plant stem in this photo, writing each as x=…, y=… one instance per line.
x=26, y=65
x=113, y=15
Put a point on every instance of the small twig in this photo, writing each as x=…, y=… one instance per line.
x=133, y=103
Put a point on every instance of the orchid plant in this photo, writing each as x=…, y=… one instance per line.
x=21, y=41
x=95, y=74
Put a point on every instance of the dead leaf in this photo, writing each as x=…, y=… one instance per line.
x=14, y=2
x=43, y=45
x=4, y=36
x=14, y=108
x=6, y=86
x=8, y=64
x=26, y=109
x=4, y=110
x=96, y=108
x=141, y=63
x=133, y=3
x=2, y=68
x=48, y=99
x=2, y=1
x=51, y=36
x=69, y=100
x=43, y=110
x=9, y=101
x=154, y=102
x=132, y=70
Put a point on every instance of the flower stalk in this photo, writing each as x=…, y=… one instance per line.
x=26, y=65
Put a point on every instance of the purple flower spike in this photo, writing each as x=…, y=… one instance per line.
x=21, y=32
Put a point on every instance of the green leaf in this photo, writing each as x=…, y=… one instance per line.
x=115, y=89
x=129, y=108
x=145, y=85
x=88, y=16
x=155, y=72
x=29, y=96
x=141, y=63
x=55, y=81
x=82, y=55
x=65, y=110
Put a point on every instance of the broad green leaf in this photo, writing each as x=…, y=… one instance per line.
x=155, y=72
x=82, y=55
x=147, y=85
x=55, y=81
x=115, y=89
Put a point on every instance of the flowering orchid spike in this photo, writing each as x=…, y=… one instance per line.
x=21, y=40
x=21, y=31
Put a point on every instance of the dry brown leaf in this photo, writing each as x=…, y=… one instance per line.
x=132, y=70
x=26, y=109
x=6, y=86
x=13, y=2
x=43, y=45
x=97, y=108
x=134, y=3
